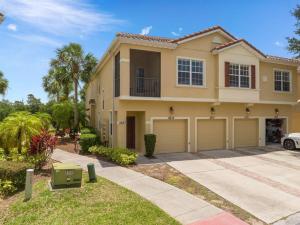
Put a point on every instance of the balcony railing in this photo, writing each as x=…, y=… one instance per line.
x=145, y=87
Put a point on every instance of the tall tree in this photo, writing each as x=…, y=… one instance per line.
x=75, y=66
x=51, y=85
x=3, y=84
x=294, y=43
x=34, y=104
x=89, y=66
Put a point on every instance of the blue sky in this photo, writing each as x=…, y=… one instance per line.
x=33, y=29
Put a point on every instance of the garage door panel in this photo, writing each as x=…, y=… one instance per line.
x=211, y=134
x=245, y=133
x=171, y=135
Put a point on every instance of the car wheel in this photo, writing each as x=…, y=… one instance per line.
x=289, y=144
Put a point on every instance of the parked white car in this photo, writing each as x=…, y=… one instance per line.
x=291, y=141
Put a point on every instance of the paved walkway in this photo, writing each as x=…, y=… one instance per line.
x=179, y=204
x=264, y=182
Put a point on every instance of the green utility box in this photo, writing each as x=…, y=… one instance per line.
x=65, y=175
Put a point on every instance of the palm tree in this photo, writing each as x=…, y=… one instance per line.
x=60, y=74
x=51, y=85
x=3, y=84
x=76, y=67
x=70, y=57
x=17, y=129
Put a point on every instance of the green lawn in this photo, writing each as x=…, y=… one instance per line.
x=95, y=203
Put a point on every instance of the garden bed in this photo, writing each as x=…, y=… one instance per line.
x=67, y=145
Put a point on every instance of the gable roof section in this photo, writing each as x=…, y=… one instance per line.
x=204, y=32
x=235, y=43
x=178, y=40
x=123, y=37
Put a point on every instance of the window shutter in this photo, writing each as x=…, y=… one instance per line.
x=226, y=74
x=253, y=77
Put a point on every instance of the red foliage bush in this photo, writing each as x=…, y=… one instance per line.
x=43, y=143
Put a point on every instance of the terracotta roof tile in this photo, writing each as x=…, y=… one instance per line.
x=203, y=32
x=143, y=37
x=283, y=59
x=227, y=44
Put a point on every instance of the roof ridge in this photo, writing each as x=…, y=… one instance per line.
x=127, y=34
x=282, y=58
x=203, y=32
x=227, y=44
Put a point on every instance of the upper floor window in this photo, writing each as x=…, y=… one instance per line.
x=239, y=75
x=282, y=80
x=190, y=72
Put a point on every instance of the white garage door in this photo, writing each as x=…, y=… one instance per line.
x=171, y=135
x=211, y=134
x=245, y=133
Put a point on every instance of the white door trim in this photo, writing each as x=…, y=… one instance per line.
x=175, y=118
x=209, y=118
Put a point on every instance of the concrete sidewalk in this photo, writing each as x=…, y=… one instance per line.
x=179, y=204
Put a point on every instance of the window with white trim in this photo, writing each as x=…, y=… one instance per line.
x=282, y=80
x=239, y=75
x=190, y=72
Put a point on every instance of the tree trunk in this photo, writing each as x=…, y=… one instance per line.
x=66, y=92
x=76, y=117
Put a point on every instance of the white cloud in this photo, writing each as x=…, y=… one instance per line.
x=146, y=30
x=177, y=33
x=174, y=33
x=279, y=44
x=38, y=39
x=12, y=27
x=59, y=16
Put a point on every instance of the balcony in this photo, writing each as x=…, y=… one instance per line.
x=146, y=87
x=145, y=69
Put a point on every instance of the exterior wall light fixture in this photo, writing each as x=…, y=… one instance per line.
x=276, y=112
x=247, y=111
x=171, y=111
x=212, y=112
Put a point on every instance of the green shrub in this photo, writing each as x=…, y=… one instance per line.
x=87, y=130
x=88, y=140
x=15, y=172
x=7, y=187
x=150, y=140
x=121, y=156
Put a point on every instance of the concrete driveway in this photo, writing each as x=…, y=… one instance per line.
x=263, y=181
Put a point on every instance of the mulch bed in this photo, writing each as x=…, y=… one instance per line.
x=67, y=145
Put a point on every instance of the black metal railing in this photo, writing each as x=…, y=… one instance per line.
x=145, y=87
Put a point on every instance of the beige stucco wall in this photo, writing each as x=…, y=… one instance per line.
x=101, y=89
x=267, y=83
x=192, y=110
x=214, y=70
x=239, y=55
x=198, y=49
